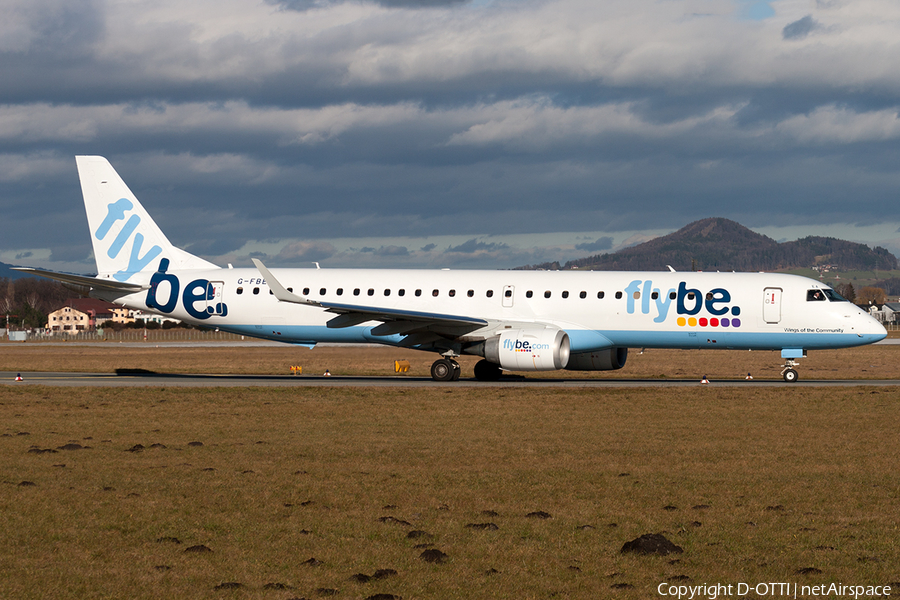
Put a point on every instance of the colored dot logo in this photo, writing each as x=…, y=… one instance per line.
x=704, y=322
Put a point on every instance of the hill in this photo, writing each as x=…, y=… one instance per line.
x=718, y=244
x=7, y=272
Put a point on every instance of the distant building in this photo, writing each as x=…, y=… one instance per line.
x=122, y=315
x=889, y=312
x=79, y=314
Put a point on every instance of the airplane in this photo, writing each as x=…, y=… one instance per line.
x=514, y=320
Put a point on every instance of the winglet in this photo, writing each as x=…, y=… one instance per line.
x=279, y=290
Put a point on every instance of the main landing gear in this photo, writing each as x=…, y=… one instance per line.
x=487, y=371
x=445, y=369
x=788, y=371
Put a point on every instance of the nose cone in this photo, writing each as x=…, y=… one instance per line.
x=871, y=330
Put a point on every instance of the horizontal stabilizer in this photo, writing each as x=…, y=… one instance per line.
x=110, y=285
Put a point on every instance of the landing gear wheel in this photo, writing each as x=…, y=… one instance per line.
x=457, y=371
x=790, y=375
x=442, y=370
x=487, y=371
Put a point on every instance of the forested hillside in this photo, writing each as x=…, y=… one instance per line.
x=718, y=244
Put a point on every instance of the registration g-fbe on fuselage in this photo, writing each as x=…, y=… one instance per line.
x=516, y=320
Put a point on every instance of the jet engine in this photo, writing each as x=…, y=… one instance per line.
x=599, y=360
x=529, y=349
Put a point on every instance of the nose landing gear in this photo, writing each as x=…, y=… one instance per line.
x=788, y=372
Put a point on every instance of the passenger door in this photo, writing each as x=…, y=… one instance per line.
x=772, y=305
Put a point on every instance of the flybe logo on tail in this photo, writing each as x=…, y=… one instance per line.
x=687, y=302
x=116, y=211
x=198, y=298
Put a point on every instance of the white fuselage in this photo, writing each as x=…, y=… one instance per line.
x=596, y=309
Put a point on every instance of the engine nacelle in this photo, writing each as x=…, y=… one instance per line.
x=599, y=360
x=544, y=349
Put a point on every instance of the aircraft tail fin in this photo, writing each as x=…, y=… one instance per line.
x=125, y=238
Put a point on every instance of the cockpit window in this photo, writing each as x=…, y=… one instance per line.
x=834, y=296
x=815, y=296
x=823, y=295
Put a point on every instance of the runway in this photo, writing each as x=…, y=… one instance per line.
x=180, y=380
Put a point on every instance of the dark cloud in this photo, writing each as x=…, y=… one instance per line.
x=800, y=28
x=304, y=5
x=602, y=243
x=275, y=125
x=75, y=253
x=215, y=247
x=22, y=255
x=392, y=251
x=474, y=245
x=303, y=251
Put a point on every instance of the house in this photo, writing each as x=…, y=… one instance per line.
x=122, y=315
x=79, y=314
x=889, y=312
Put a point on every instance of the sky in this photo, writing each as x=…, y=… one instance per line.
x=448, y=133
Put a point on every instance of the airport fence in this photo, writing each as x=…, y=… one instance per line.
x=137, y=335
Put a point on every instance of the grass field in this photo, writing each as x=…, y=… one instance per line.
x=787, y=485
x=868, y=362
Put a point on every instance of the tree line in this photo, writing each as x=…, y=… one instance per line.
x=26, y=302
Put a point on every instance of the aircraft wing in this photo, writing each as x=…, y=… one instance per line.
x=108, y=285
x=414, y=324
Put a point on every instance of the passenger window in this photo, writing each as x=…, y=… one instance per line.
x=637, y=295
x=240, y=291
x=306, y=291
x=387, y=292
x=371, y=292
x=672, y=295
x=547, y=294
x=600, y=295
x=452, y=293
x=565, y=294
x=255, y=291
x=418, y=292
x=508, y=293
x=321, y=291
x=356, y=291
x=582, y=295
x=489, y=293
x=291, y=290
x=271, y=293
x=618, y=295
x=434, y=293
x=529, y=294
x=340, y=291
x=709, y=295
x=654, y=295
x=470, y=293
x=815, y=296
x=401, y=292
x=690, y=296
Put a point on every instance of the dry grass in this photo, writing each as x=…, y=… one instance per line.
x=869, y=362
x=793, y=478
